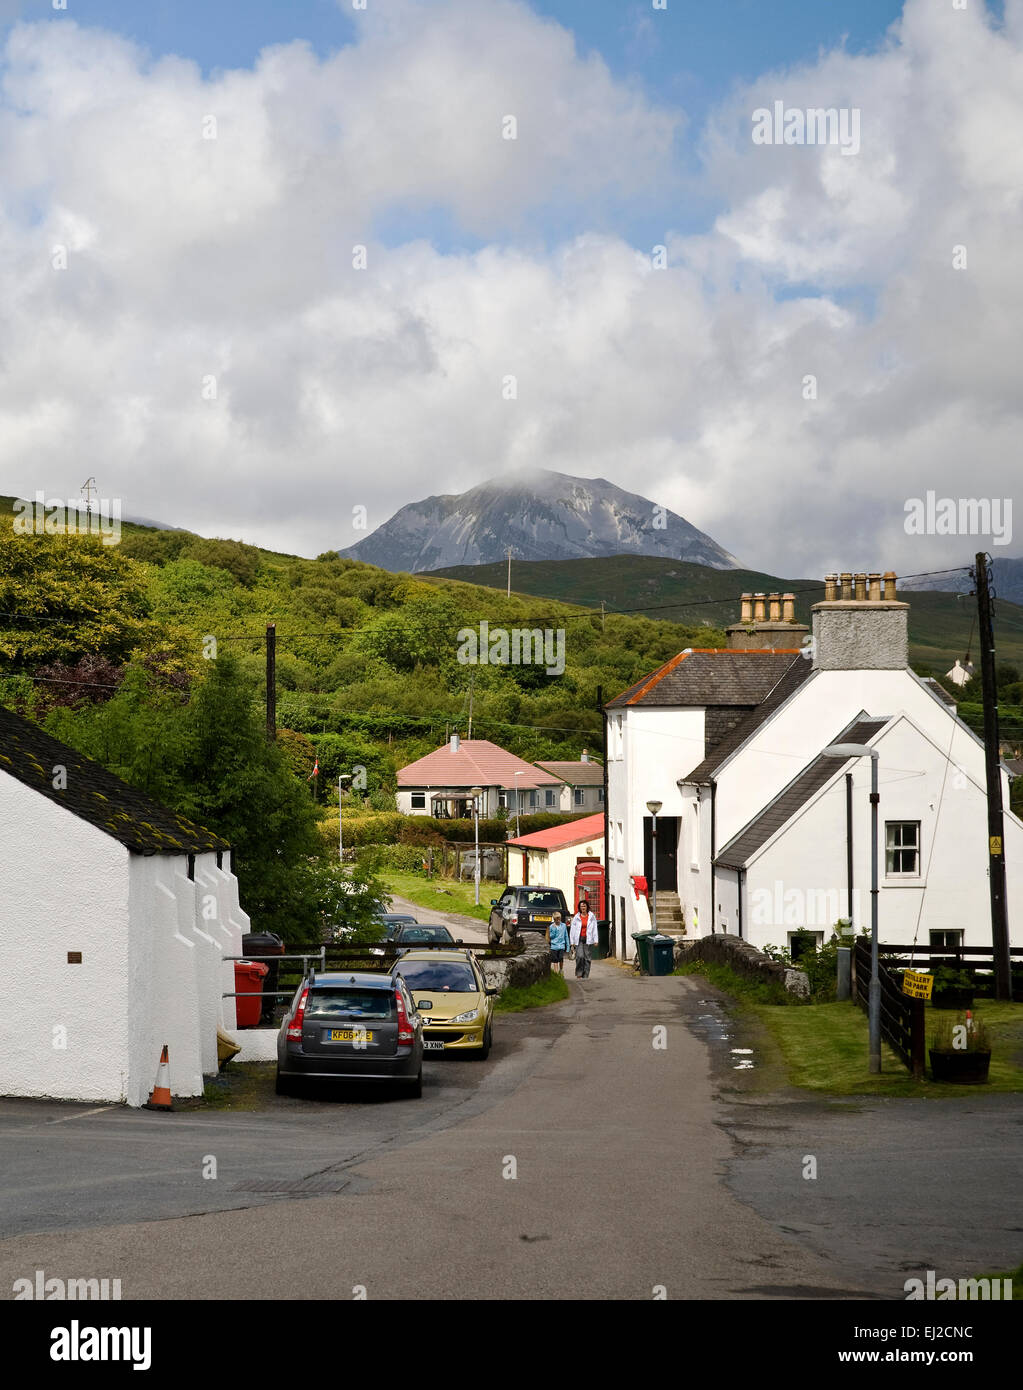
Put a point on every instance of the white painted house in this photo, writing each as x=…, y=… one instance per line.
x=557, y=856
x=582, y=786
x=767, y=835
x=115, y=914
x=441, y=783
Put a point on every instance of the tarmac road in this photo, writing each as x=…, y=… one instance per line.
x=584, y=1159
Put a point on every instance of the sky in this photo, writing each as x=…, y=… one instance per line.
x=268, y=269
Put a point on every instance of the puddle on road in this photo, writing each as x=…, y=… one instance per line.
x=714, y=1027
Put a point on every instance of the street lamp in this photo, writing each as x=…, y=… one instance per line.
x=342, y=779
x=860, y=750
x=653, y=807
x=518, y=802
x=477, y=792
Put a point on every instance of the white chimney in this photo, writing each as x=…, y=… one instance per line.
x=584, y=756
x=858, y=629
x=454, y=743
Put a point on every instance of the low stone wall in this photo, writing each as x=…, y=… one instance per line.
x=730, y=950
x=517, y=972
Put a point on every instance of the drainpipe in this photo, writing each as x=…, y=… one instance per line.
x=607, y=838
x=849, y=843
x=713, y=852
x=740, y=883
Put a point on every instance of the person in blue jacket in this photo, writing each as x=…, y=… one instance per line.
x=557, y=939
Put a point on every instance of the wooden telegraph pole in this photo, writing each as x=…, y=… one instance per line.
x=996, y=842
x=271, y=682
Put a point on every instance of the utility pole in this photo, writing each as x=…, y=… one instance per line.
x=469, y=733
x=602, y=615
x=271, y=682
x=509, y=570
x=996, y=851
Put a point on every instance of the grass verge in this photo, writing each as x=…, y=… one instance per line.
x=441, y=894
x=552, y=989
x=740, y=987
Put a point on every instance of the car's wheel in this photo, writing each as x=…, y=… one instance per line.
x=494, y=937
x=283, y=1086
x=415, y=1088
x=488, y=1038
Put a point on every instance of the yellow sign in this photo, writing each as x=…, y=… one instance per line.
x=916, y=984
x=995, y=842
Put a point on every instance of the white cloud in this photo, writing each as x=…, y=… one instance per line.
x=232, y=258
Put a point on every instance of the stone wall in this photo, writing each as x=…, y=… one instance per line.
x=534, y=963
x=730, y=950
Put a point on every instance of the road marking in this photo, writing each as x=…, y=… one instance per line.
x=80, y=1116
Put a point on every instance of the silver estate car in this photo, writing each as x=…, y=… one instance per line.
x=351, y=1027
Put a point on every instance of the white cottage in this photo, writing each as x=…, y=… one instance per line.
x=768, y=835
x=115, y=916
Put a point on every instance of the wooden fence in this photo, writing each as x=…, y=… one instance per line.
x=902, y=1018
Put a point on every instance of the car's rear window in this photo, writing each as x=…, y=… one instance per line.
x=349, y=1003
x=424, y=934
x=542, y=900
x=440, y=975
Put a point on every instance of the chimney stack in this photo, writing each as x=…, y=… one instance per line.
x=759, y=615
x=767, y=622
x=454, y=743
x=584, y=757
x=788, y=613
x=856, y=629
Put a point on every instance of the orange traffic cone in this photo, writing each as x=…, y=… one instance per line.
x=161, y=1097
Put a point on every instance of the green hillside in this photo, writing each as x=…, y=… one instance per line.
x=939, y=623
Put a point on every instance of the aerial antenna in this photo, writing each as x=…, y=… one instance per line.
x=89, y=489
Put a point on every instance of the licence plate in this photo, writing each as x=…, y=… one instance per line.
x=538, y=918
x=351, y=1035
x=433, y=1046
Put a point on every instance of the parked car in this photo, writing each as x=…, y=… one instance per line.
x=406, y=935
x=451, y=994
x=528, y=908
x=351, y=1027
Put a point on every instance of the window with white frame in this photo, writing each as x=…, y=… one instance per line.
x=902, y=848
x=579, y=796
x=946, y=939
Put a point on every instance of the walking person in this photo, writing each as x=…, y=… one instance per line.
x=583, y=935
x=557, y=939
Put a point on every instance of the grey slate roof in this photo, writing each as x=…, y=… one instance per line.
x=790, y=680
x=752, y=837
x=709, y=676
x=576, y=774
x=30, y=755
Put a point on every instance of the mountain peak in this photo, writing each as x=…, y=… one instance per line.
x=542, y=515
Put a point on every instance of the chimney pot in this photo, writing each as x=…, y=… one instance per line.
x=847, y=586
x=861, y=587
x=788, y=610
x=746, y=612
x=874, y=580
x=774, y=607
x=758, y=608
x=830, y=581
x=889, y=585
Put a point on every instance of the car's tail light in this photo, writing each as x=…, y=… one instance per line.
x=406, y=1033
x=295, y=1026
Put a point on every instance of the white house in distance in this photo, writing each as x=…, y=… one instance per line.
x=441, y=783
x=115, y=916
x=568, y=857
x=582, y=784
x=765, y=835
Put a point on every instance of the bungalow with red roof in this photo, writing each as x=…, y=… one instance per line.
x=442, y=782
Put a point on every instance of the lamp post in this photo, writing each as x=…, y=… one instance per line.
x=342, y=779
x=518, y=802
x=860, y=750
x=477, y=792
x=653, y=807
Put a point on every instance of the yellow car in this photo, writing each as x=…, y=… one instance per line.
x=450, y=992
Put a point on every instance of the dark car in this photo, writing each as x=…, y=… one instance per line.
x=351, y=1027
x=408, y=935
x=529, y=908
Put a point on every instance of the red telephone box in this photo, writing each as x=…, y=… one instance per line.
x=590, y=884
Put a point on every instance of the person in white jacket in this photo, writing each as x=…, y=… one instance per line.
x=583, y=936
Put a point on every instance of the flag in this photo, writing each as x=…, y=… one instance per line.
x=315, y=772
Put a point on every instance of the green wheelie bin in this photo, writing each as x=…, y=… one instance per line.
x=642, y=940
